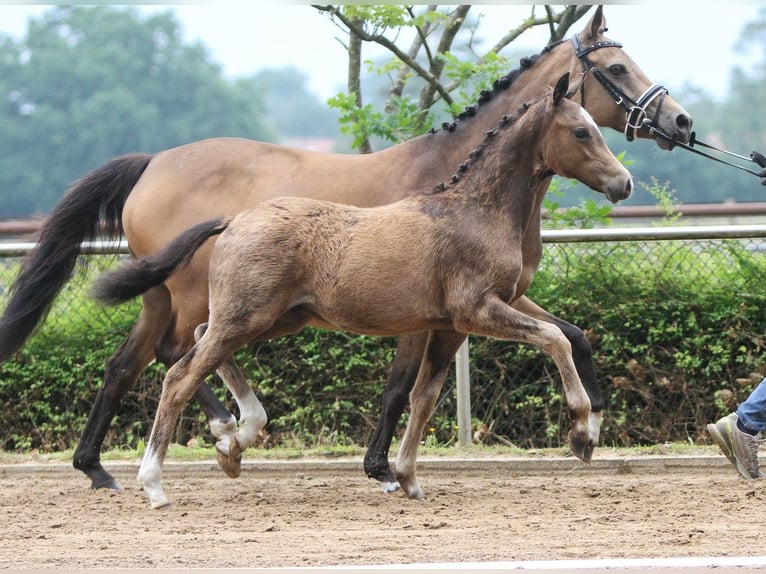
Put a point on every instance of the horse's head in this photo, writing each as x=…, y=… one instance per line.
x=617, y=92
x=572, y=146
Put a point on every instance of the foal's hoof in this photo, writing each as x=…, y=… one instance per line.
x=390, y=486
x=230, y=461
x=581, y=446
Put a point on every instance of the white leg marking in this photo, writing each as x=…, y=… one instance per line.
x=150, y=478
x=594, y=426
x=252, y=419
x=220, y=428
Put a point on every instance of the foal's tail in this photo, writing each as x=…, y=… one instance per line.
x=92, y=206
x=137, y=276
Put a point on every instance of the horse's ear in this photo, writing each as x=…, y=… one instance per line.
x=560, y=91
x=597, y=24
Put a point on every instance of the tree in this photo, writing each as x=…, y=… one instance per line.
x=291, y=109
x=441, y=63
x=89, y=83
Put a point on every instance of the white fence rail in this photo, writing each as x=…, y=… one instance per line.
x=607, y=234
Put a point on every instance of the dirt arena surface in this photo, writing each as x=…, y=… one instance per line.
x=324, y=515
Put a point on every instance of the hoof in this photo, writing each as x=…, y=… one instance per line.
x=416, y=493
x=108, y=483
x=231, y=460
x=162, y=503
x=390, y=486
x=99, y=478
x=412, y=489
x=581, y=446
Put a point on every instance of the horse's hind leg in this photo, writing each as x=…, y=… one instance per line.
x=175, y=342
x=436, y=360
x=122, y=371
x=401, y=379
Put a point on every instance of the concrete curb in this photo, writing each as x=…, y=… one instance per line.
x=654, y=464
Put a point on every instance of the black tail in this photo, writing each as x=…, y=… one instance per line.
x=92, y=206
x=139, y=275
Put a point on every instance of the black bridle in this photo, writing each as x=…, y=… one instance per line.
x=635, y=110
x=636, y=115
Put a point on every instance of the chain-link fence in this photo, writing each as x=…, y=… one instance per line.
x=674, y=315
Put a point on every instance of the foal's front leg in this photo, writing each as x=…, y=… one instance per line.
x=497, y=319
x=582, y=355
x=401, y=379
x=437, y=357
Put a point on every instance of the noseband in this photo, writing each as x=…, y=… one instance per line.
x=635, y=111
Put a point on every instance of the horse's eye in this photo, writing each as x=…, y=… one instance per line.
x=581, y=133
x=617, y=69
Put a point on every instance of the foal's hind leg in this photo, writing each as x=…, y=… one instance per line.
x=436, y=360
x=181, y=381
x=404, y=371
x=252, y=417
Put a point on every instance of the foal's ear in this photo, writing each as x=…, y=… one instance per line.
x=560, y=91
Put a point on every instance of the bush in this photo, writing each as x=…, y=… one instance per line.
x=677, y=332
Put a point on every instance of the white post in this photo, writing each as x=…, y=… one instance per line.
x=463, y=395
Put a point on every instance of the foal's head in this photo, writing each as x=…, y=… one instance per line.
x=573, y=147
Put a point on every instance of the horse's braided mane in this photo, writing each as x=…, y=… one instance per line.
x=505, y=122
x=499, y=85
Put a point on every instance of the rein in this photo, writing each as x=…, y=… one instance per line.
x=755, y=156
x=637, y=117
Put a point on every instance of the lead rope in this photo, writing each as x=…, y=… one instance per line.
x=755, y=156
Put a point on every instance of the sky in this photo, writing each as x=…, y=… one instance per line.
x=674, y=42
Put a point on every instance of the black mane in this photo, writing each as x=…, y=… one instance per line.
x=499, y=85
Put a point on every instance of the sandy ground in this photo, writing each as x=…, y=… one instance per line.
x=331, y=516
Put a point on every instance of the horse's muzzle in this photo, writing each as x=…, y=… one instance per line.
x=619, y=190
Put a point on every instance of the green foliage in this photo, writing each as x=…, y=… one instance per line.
x=91, y=82
x=676, y=329
x=379, y=17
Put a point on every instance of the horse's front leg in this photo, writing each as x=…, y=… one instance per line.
x=437, y=357
x=401, y=379
x=497, y=319
x=582, y=355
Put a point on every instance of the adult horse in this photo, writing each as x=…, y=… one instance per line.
x=153, y=198
x=447, y=262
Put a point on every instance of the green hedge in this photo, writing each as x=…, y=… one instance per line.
x=677, y=332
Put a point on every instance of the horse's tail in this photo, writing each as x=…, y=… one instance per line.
x=137, y=276
x=91, y=206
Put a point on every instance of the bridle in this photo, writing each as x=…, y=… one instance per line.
x=635, y=111
x=636, y=116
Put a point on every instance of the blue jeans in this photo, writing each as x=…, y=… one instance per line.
x=752, y=413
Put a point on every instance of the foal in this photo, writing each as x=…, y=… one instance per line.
x=447, y=261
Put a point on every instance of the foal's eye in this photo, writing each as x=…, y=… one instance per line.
x=617, y=69
x=581, y=133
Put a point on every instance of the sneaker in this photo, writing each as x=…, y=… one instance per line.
x=740, y=448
